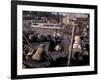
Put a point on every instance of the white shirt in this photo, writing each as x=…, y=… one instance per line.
x=56, y=34
x=77, y=45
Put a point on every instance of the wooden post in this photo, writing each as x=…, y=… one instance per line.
x=71, y=46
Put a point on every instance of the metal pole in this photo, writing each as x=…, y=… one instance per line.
x=71, y=46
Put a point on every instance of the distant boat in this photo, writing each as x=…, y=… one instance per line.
x=47, y=25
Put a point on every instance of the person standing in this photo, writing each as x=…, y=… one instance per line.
x=57, y=37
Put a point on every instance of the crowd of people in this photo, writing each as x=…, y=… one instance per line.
x=39, y=54
x=58, y=42
x=33, y=37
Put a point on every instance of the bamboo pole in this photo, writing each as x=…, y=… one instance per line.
x=71, y=46
x=27, y=41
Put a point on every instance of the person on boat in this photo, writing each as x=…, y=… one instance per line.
x=57, y=37
x=39, y=53
x=77, y=47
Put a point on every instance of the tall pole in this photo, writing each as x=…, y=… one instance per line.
x=71, y=46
